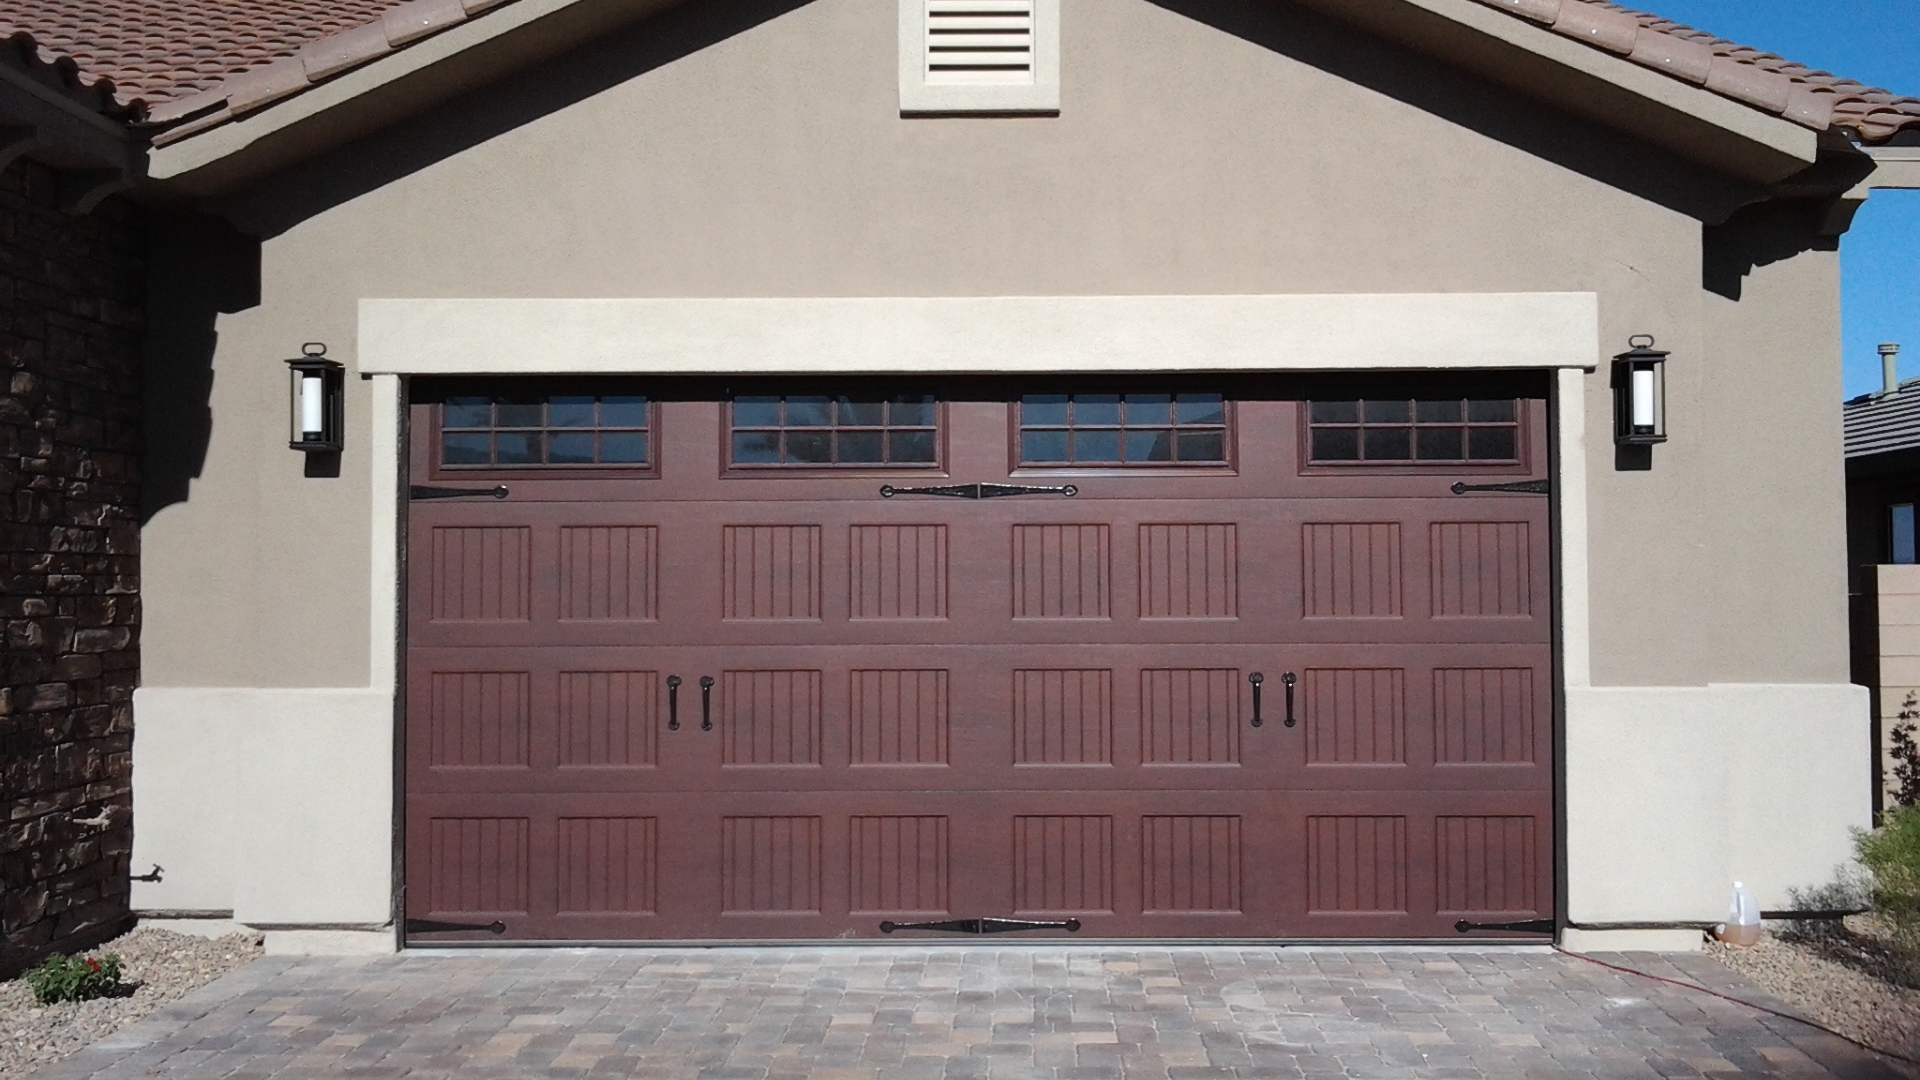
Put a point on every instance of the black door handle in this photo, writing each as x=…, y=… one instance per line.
x=673, y=703
x=706, y=703
x=1256, y=679
x=1287, y=681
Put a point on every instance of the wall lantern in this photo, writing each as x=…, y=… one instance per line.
x=318, y=385
x=1640, y=394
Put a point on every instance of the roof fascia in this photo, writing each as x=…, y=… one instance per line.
x=1893, y=167
x=405, y=82
x=93, y=155
x=1691, y=122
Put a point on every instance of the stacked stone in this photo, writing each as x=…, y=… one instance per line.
x=71, y=292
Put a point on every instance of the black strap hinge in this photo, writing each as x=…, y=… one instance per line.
x=1522, y=487
x=978, y=491
x=1524, y=926
x=431, y=926
x=982, y=926
x=419, y=491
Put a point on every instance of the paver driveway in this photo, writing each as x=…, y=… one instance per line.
x=987, y=1012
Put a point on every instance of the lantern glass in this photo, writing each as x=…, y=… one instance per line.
x=1640, y=395
x=314, y=396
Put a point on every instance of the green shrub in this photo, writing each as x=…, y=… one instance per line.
x=75, y=978
x=1891, y=854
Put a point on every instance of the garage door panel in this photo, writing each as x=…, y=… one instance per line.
x=925, y=707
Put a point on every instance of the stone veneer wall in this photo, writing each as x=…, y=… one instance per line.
x=71, y=314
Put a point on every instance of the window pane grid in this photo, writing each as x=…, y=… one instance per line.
x=543, y=430
x=1405, y=431
x=816, y=431
x=1123, y=429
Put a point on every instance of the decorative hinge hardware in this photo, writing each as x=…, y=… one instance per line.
x=1525, y=926
x=1523, y=487
x=982, y=926
x=430, y=926
x=417, y=491
x=978, y=491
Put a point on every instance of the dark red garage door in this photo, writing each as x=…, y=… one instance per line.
x=1183, y=660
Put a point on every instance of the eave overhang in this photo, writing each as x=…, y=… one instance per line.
x=1694, y=124
x=403, y=83
x=43, y=117
x=1691, y=122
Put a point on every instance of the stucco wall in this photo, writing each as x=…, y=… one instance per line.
x=1202, y=147
x=1186, y=159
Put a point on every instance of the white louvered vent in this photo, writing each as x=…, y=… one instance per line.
x=979, y=42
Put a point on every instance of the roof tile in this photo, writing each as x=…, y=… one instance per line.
x=268, y=83
x=416, y=19
x=1611, y=30
x=1801, y=94
x=203, y=60
x=1685, y=60
x=335, y=53
x=150, y=51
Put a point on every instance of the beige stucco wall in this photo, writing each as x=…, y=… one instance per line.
x=1185, y=160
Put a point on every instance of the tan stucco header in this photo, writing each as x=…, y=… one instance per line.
x=981, y=334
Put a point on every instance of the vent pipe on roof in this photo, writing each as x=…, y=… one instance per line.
x=1889, y=367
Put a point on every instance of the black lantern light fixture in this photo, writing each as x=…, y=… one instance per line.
x=1640, y=394
x=318, y=385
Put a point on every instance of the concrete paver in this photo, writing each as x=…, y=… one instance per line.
x=938, y=1012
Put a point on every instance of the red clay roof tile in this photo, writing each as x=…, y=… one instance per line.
x=214, y=59
x=1803, y=95
x=160, y=50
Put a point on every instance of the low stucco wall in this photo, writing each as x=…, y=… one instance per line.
x=1674, y=793
x=272, y=807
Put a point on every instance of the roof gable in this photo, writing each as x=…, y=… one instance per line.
x=217, y=61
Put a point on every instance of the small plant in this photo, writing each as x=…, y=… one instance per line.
x=1849, y=890
x=75, y=978
x=1891, y=854
x=1905, y=752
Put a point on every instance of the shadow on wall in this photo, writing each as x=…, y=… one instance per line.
x=199, y=268
x=1477, y=104
x=290, y=197
x=1758, y=236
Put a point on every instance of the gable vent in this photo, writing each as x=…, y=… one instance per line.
x=979, y=42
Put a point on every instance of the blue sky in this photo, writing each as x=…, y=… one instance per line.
x=1878, y=43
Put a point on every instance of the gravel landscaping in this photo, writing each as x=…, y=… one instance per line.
x=1848, y=978
x=159, y=965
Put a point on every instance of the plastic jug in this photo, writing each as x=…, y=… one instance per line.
x=1743, y=918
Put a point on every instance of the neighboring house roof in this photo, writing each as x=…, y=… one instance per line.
x=1878, y=423
x=215, y=59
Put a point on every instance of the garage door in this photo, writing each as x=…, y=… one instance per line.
x=814, y=660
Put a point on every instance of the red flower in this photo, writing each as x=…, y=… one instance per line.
x=92, y=963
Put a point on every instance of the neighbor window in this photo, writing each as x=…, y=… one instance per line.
x=822, y=431
x=1123, y=429
x=1900, y=540
x=543, y=430
x=1402, y=431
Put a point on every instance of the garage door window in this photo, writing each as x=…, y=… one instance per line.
x=1400, y=431
x=1105, y=430
x=814, y=431
x=545, y=430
